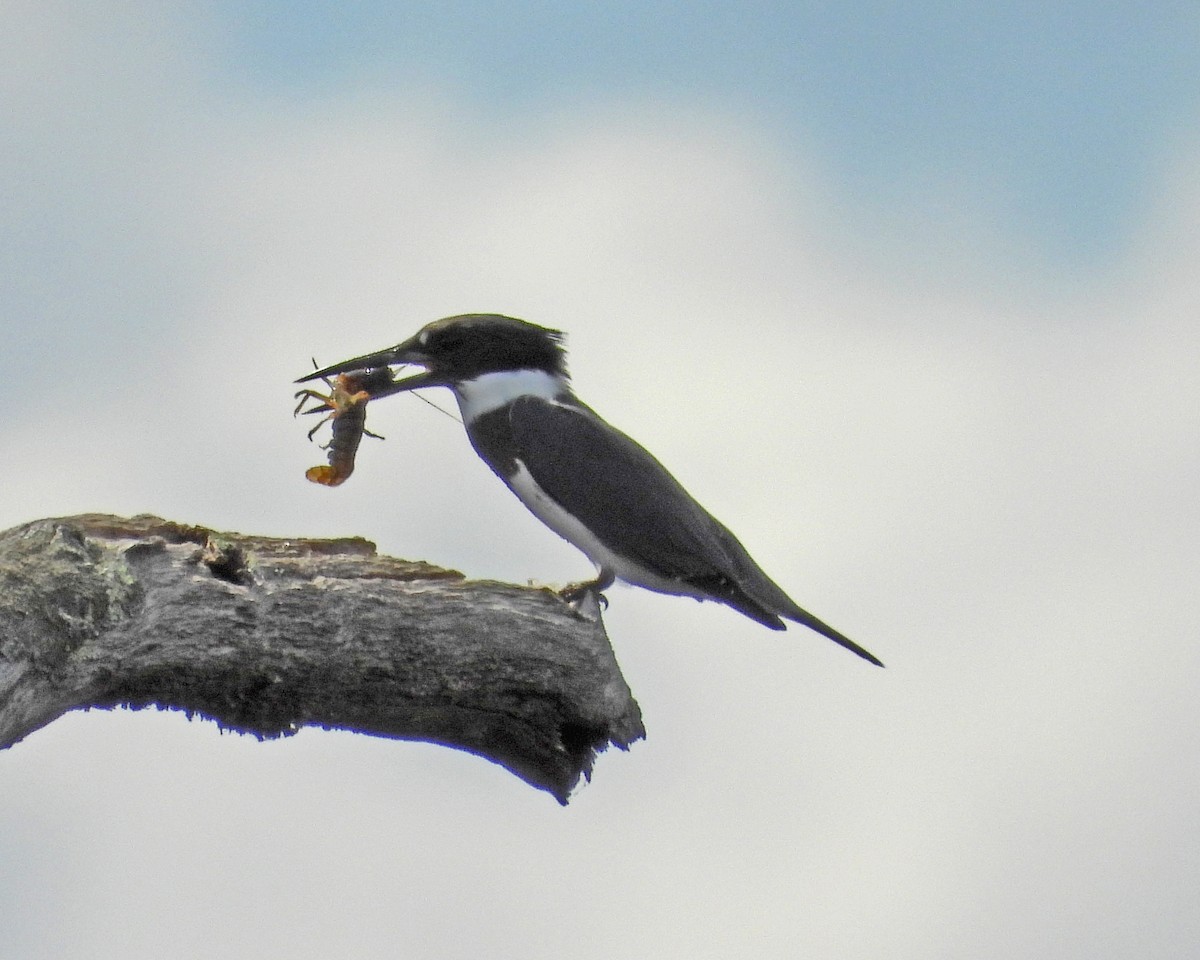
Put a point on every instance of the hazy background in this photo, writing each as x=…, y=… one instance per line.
x=908, y=295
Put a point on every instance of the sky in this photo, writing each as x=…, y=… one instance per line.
x=905, y=294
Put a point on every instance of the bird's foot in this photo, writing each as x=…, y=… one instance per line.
x=579, y=596
x=573, y=593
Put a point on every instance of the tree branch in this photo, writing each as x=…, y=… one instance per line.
x=267, y=635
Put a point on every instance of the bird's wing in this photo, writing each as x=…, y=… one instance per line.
x=644, y=512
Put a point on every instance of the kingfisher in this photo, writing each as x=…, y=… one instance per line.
x=583, y=478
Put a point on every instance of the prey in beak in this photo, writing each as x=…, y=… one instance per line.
x=352, y=385
x=401, y=355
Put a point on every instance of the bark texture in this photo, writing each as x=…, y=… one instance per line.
x=268, y=635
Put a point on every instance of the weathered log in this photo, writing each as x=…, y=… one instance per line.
x=267, y=635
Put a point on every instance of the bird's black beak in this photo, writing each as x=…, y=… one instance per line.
x=403, y=354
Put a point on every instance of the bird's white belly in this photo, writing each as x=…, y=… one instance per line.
x=542, y=506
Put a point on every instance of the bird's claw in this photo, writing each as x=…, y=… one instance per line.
x=578, y=595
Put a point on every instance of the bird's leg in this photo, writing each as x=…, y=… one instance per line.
x=572, y=593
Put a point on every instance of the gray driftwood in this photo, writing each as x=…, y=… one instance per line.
x=267, y=635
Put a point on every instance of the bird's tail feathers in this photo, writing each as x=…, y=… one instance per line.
x=803, y=616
